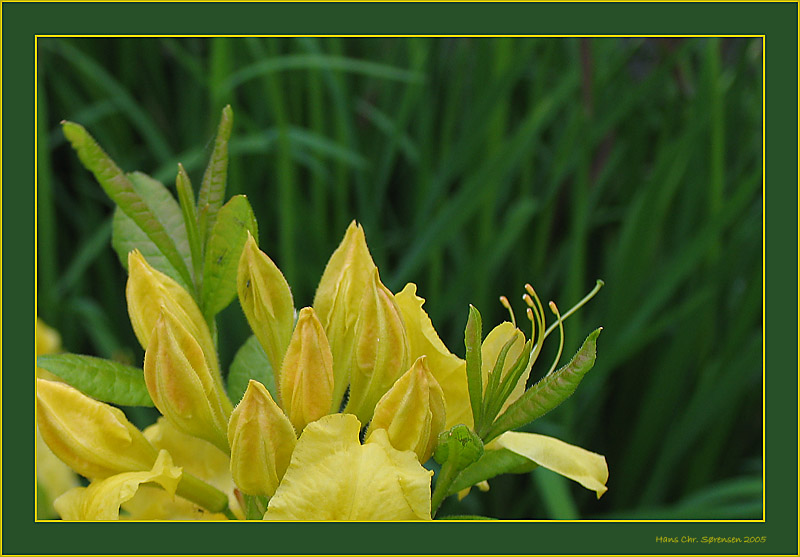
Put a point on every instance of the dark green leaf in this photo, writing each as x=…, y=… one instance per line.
x=122, y=191
x=223, y=251
x=549, y=392
x=127, y=235
x=105, y=380
x=212, y=190
x=491, y=464
x=250, y=362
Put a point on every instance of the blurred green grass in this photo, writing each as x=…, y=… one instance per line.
x=475, y=165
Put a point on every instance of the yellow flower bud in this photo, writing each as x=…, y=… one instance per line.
x=338, y=299
x=490, y=349
x=266, y=300
x=148, y=290
x=262, y=441
x=380, y=350
x=94, y=439
x=306, y=379
x=181, y=385
x=412, y=411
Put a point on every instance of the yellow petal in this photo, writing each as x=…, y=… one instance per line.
x=102, y=499
x=412, y=412
x=94, y=439
x=380, y=350
x=333, y=477
x=181, y=384
x=197, y=457
x=449, y=370
x=585, y=467
x=53, y=477
x=262, y=441
x=266, y=300
x=48, y=341
x=306, y=379
x=338, y=299
x=491, y=348
x=153, y=503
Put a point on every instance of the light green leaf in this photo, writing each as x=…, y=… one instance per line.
x=250, y=362
x=212, y=189
x=472, y=342
x=223, y=251
x=127, y=235
x=102, y=379
x=491, y=464
x=122, y=191
x=548, y=392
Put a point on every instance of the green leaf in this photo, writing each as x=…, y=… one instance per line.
x=122, y=191
x=223, y=251
x=212, y=189
x=491, y=464
x=105, y=380
x=250, y=362
x=549, y=392
x=186, y=197
x=472, y=342
x=127, y=235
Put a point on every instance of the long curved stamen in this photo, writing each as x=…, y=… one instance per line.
x=535, y=307
x=506, y=304
x=577, y=306
x=560, y=323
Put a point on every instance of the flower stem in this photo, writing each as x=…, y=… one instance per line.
x=199, y=492
x=447, y=474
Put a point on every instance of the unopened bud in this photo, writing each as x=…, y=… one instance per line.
x=262, y=441
x=338, y=299
x=181, y=384
x=412, y=411
x=94, y=439
x=266, y=300
x=306, y=379
x=379, y=355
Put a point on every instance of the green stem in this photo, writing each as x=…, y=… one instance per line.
x=446, y=477
x=199, y=492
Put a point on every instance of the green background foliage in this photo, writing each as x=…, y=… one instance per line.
x=475, y=165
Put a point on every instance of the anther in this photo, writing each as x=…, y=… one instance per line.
x=506, y=304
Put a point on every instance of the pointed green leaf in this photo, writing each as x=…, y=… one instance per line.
x=223, y=251
x=122, y=191
x=491, y=464
x=250, y=362
x=472, y=342
x=186, y=197
x=549, y=392
x=212, y=189
x=127, y=235
x=102, y=379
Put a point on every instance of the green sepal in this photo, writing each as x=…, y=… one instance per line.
x=459, y=446
x=508, y=383
x=255, y=506
x=492, y=385
x=250, y=362
x=223, y=250
x=127, y=235
x=212, y=189
x=491, y=464
x=548, y=392
x=472, y=341
x=104, y=380
x=121, y=190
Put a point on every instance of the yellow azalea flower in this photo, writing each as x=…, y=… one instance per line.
x=266, y=300
x=449, y=370
x=181, y=384
x=306, y=379
x=102, y=499
x=262, y=441
x=585, y=467
x=337, y=301
x=94, y=439
x=412, y=412
x=333, y=476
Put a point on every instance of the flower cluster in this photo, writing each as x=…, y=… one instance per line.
x=361, y=363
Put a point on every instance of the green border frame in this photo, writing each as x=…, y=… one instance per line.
x=777, y=21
